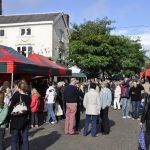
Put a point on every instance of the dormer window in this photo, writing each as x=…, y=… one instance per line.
x=25, y=31
x=2, y=32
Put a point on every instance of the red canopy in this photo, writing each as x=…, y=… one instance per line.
x=13, y=62
x=147, y=72
x=55, y=69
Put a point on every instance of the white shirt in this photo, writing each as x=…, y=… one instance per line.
x=51, y=95
x=7, y=98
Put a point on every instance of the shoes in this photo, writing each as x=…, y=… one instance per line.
x=95, y=135
x=75, y=133
x=128, y=117
x=53, y=122
x=124, y=117
x=138, y=119
x=36, y=126
x=32, y=126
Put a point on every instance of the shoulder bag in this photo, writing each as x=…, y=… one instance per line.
x=19, y=109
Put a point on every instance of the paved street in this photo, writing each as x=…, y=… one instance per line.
x=123, y=136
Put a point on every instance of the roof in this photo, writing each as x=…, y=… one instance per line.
x=13, y=62
x=28, y=18
x=56, y=70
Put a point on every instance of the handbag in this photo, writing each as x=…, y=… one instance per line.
x=142, y=140
x=19, y=109
x=142, y=104
x=58, y=110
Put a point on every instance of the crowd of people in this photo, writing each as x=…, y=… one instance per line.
x=64, y=100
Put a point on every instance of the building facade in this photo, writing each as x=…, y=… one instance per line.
x=45, y=34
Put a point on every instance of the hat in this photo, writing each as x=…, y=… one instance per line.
x=6, y=83
x=3, y=89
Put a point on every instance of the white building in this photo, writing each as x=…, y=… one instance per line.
x=46, y=34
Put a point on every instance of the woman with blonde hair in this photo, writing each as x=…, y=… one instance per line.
x=35, y=101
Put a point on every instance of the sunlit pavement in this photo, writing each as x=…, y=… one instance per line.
x=123, y=136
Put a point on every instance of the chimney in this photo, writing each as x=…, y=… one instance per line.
x=66, y=17
x=0, y=7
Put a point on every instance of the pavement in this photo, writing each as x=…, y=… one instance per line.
x=123, y=136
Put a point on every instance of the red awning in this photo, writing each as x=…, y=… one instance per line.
x=13, y=62
x=55, y=69
x=147, y=72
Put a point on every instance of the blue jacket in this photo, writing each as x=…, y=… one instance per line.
x=105, y=97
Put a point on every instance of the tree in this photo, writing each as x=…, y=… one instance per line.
x=93, y=48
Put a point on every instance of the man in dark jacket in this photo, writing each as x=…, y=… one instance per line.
x=71, y=98
x=135, y=94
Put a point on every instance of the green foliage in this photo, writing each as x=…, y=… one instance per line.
x=93, y=48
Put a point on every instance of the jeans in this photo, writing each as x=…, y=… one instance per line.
x=16, y=137
x=34, y=118
x=2, y=133
x=86, y=125
x=125, y=107
x=50, y=112
x=135, y=109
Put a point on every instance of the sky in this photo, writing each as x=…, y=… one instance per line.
x=131, y=16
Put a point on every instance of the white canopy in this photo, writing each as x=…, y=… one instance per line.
x=75, y=69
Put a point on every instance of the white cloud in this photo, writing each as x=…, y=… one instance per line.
x=145, y=41
x=120, y=32
x=144, y=36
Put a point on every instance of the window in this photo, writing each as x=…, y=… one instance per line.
x=29, y=50
x=2, y=32
x=25, y=31
x=19, y=50
x=22, y=31
x=25, y=50
x=28, y=31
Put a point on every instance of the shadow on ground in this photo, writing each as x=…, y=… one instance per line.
x=43, y=142
x=31, y=134
x=111, y=123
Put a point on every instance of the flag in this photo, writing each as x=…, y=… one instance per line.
x=142, y=140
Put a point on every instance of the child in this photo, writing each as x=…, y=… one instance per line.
x=3, y=115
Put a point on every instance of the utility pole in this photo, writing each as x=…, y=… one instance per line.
x=0, y=7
